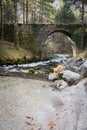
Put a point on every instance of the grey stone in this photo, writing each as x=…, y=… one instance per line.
x=74, y=64
x=75, y=69
x=70, y=77
x=60, y=84
x=83, y=69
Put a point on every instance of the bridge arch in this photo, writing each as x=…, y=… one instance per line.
x=46, y=31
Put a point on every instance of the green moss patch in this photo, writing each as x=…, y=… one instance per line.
x=83, y=54
x=11, y=55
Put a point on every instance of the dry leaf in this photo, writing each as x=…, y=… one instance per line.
x=32, y=129
x=57, y=114
x=30, y=117
x=28, y=123
x=51, y=124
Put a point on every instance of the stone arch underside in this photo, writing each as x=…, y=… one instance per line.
x=45, y=32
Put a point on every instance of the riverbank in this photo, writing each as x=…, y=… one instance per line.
x=9, y=54
x=27, y=104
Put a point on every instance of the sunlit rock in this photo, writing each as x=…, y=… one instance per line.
x=38, y=72
x=52, y=76
x=58, y=68
x=31, y=71
x=24, y=71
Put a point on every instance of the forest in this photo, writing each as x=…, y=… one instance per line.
x=22, y=20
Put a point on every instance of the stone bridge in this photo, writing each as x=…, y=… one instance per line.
x=46, y=30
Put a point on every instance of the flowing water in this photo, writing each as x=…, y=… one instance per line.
x=36, y=70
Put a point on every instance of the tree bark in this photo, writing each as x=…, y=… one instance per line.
x=15, y=25
x=41, y=1
x=2, y=26
x=27, y=11
x=82, y=29
x=23, y=11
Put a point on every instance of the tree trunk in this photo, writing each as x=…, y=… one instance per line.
x=15, y=24
x=82, y=29
x=23, y=11
x=2, y=26
x=27, y=11
x=41, y=12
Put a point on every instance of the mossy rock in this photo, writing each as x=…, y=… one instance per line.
x=31, y=71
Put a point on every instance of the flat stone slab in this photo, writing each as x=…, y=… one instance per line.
x=27, y=104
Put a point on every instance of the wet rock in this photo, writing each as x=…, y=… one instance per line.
x=70, y=77
x=74, y=64
x=75, y=69
x=52, y=76
x=38, y=72
x=24, y=71
x=83, y=69
x=31, y=71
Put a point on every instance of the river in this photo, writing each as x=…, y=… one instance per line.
x=36, y=70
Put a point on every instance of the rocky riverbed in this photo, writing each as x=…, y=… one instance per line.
x=35, y=70
x=27, y=104
x=61, y=104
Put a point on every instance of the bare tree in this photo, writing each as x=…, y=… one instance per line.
x=82, y=30
x=23, y=11
x=15, y=24
x=27, y=10
x=2, y=26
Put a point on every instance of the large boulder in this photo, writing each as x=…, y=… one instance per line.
x=83, y=69
x=70, y=77
x=73, y=64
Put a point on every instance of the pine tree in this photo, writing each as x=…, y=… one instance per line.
x=65, y=15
